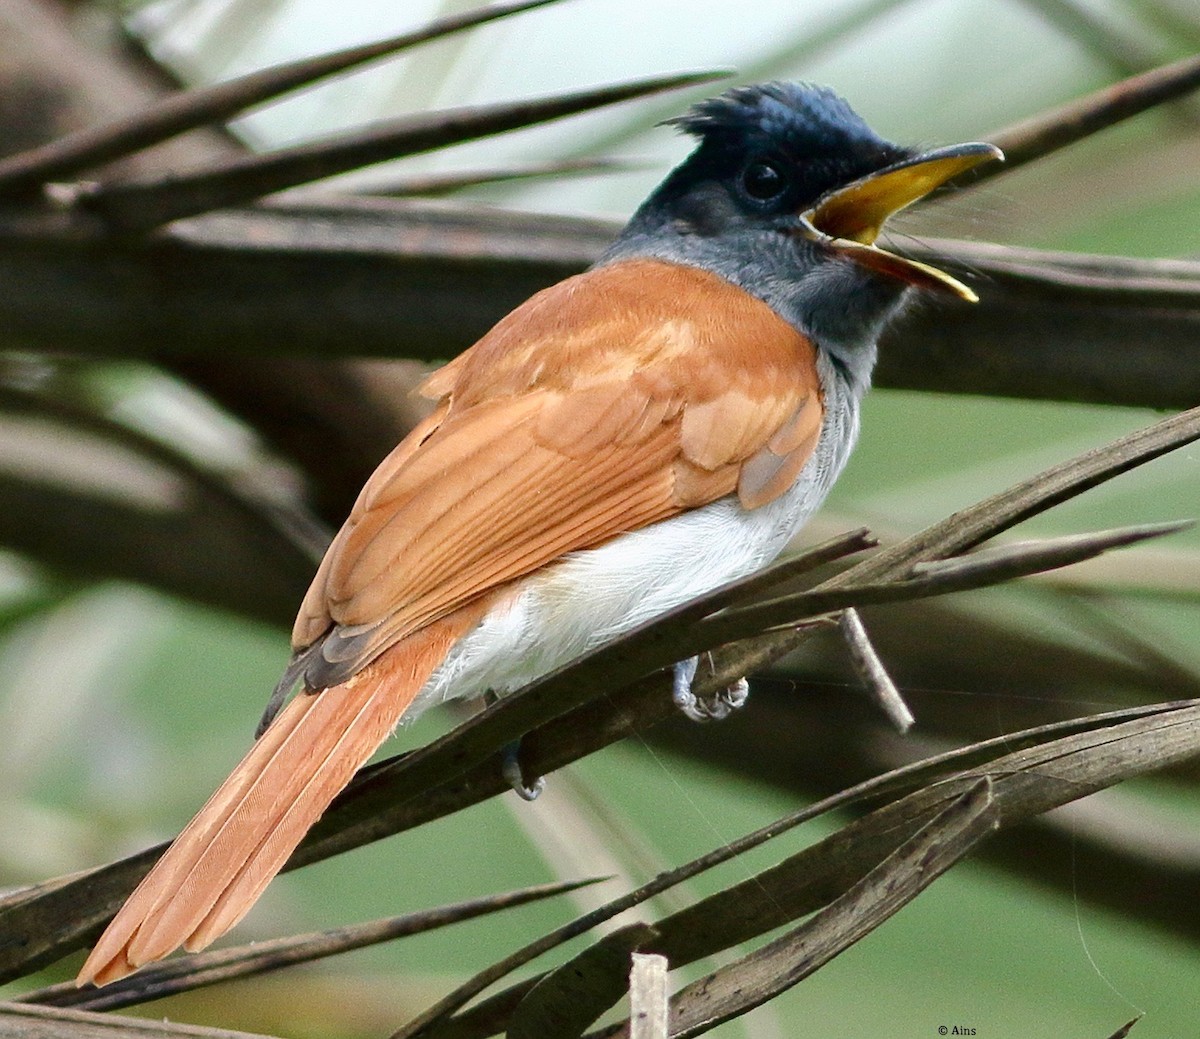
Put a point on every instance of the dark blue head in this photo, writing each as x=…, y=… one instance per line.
x=784, y=196
x=772, y=150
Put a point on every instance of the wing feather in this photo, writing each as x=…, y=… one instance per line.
x=610, y=401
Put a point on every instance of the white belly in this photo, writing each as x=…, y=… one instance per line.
x=592, y=596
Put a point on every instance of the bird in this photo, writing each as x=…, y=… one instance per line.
x=625, y=440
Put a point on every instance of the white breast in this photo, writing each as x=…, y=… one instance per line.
x=590, y=597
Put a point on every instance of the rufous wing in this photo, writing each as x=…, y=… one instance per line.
x=606, y=403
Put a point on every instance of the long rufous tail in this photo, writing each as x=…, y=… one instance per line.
x=219, y=865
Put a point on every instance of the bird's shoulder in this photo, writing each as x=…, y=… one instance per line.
x=614, y=352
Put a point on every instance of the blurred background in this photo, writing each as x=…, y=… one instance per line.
x=122, y=706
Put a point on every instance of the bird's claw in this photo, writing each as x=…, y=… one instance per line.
x=703, y=709
x=510, y=769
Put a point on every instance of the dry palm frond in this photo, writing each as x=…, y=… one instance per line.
x=184, y=973
x=187, y=110
x=552, y=714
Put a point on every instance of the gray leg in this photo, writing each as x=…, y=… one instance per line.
x=719, y=705
x=510, y=769
x=510, y=763
x=681, y=692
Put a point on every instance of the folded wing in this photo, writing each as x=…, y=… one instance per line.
x=608, y=402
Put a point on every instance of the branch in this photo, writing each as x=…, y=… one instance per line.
x=197, y=970
x=60, y=85
x=134, y=206
x=191, y=109
x=1050, y=131
x=935, y=577
x=28, y=1022
x=1049, y=767
x=572, y=712
x=897, y=880
x=425, y=280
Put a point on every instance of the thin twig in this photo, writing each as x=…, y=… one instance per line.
x=1126, y=1028
x=184, y=973
x=870, y=669
x=559, y=1006
x=907, y=777
x=459, y=769
x=436, y=184
x=1051, y=131
x=1024, y=782
x=896, y=880
x=142, y=204
x=932, y=577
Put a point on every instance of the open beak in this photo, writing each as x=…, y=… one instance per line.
x=849, y=219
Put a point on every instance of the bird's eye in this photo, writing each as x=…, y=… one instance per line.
x=764, y=180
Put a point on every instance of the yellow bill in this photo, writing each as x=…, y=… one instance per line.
x=850, y=219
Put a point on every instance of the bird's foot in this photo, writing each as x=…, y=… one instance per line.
x=510, y=763
x=510, y=769
x=715, y=707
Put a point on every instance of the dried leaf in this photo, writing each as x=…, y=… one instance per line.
x=493, y=1012
x=1025, y=783
x=190, y=109
x=933, y=577
x=139, y=205
x=29, y=1022
x=561, y=1005
x=1126, y=1028
x=459, y=768
x=184, y=973
x=763, y=974
x=1123, y=329
x=969, y=527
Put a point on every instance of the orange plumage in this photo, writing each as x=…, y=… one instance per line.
x=625, y=440
x=608, y=402
x=219, y=865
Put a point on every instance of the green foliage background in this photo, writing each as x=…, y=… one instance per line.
x=121, y=709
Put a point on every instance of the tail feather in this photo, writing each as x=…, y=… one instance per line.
x=362, y=712
x=369, y=728
x=110, y=959
x=219, y=865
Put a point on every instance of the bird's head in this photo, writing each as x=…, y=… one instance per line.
x=785, y=195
